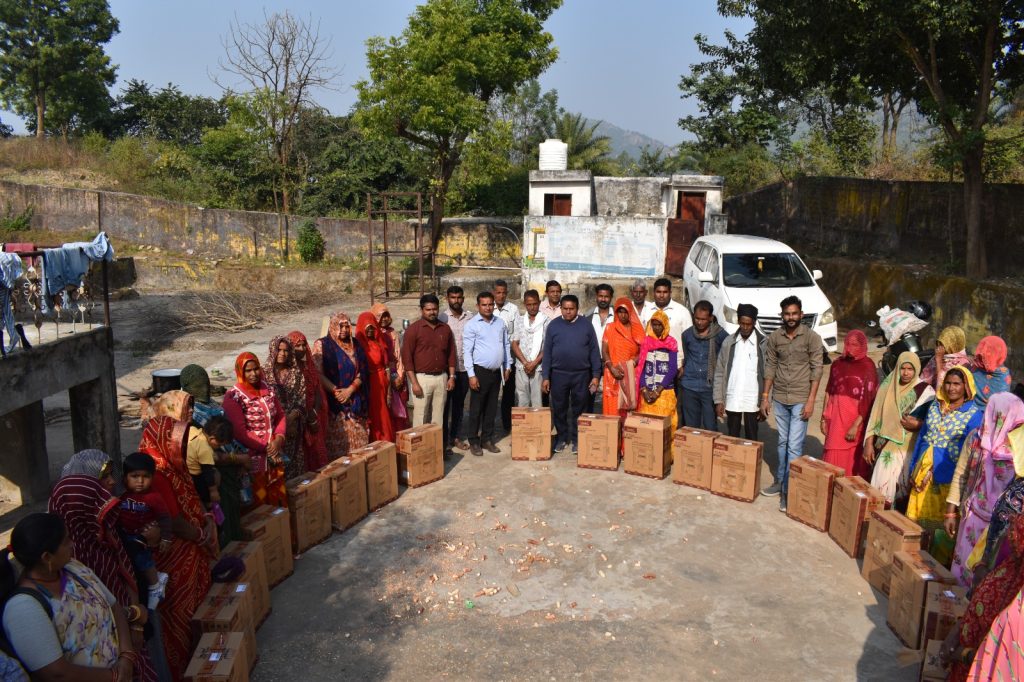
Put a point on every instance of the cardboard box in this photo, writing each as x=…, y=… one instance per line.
x=911, y=573
x=943, y=605
x=244, y=593
x=251, y=554
x=853, y=500
x=889, y=532
x=598, y=441
x=420, y=455
x=272, y=526
x=347, y=478
x=531, y=433
x=219, y=657
x=226, y=614
x=309, y=506
x=692, y=457
x=809, y=496
x=647, y=445
x=381, y=472
x=931, y=667
x=736, y=468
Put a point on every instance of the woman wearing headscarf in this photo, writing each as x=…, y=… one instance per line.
x=82, y=498
x=950, y=418
x=888, y=438
x=849, y=396
x=314, y=445
x=950, y=351
x=657, y=369
x=1007, y=508
x=1000, y=656
x=377, y=367
x=990, y=375
x=399, y=396
x=186, y=561
x=982, y=473
x=288, y=383
x=174, y=404
x=620, y=351
x=258, y=419
x=232, y=459
x=343, y=374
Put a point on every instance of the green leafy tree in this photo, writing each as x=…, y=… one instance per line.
x=532, y=116
x=50, y=51
x=433, y=85
x=586, y=149
x=166, y=114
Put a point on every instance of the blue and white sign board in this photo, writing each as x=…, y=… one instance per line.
x=624, y=246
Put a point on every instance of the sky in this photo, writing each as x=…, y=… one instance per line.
x=618, y=61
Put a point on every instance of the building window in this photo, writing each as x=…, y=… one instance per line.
x=557, y=204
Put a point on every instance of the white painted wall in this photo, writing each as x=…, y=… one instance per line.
x=580, y=191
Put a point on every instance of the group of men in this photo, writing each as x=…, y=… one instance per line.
x=550, y=355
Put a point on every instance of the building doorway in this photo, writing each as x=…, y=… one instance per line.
x=558, y=204
x=684, y=229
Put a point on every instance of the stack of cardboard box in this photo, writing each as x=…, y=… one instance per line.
x=347, y=478
x=272, y=527
x=944, y=605
x=420, y=455
x=692, y=457
x=736, y=468
x=889, y=532
x=381, y=461
x=309, y=508
x=252, y=555
x=598, y=441
x=647, y=445
x=912, y=575
x=227, y=614
x=853, y=500
x=531, y=433
x=809, y=497
x=219, y=657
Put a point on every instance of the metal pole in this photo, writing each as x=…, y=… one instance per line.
x=387, y=252
x=106, y=294
x=369, y=234
x=419, y=237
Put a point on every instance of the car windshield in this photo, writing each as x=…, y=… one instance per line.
x=765, y=270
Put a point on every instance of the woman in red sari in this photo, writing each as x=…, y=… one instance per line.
x=621, y=345
x=314, y=445
x=849, y=395
x=259, y=422
x=399, y=397
x=187, y=561
x=377, y=362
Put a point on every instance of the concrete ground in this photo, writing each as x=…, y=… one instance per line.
x=540, y=570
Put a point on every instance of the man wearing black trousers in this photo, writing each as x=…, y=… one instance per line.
x=485, y=346
x=509, y=314
x=571, y=367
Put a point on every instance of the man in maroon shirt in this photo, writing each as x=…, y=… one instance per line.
x=428, y=354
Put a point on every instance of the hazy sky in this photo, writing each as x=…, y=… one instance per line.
x=618, y=61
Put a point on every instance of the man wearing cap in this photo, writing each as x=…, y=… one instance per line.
x=739, y=376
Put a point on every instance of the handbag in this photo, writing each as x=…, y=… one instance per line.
x=398, y=405
x=627, y=386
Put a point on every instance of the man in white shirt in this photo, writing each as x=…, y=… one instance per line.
x=508, y=313
x=457, y=318
x=641, y=306
x=739, y=376
x=528, y=349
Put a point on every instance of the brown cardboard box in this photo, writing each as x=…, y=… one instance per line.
x=931, y=668
x=271, y=526
x=908, y=588
x=853, y=500
x=531, y=433
x=244, y=593
x=381, y=472
x=943, y=605
x=647, y=445
x=226, y=614
x=809, y=498
x=888, y=532
x=219, y=657
x=251, y=554
x=420, y=455
x=347, y=478
x=736, y=468
x=598, y=441
x=309, y=506
x=692, y=456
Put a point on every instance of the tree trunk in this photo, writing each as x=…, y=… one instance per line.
x=974, y=185
x=286, y=207
x=886, y=107
x=40, y=115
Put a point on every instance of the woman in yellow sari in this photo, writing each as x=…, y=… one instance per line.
x=656, y=370
x=952, y=416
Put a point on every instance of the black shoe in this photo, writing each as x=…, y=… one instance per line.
x=575, y=449
x=560, y=446
x=772, y=490
x=782, y=504
x=491, y=447
x=475, y=450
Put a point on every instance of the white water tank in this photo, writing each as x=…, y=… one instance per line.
x=554, y=155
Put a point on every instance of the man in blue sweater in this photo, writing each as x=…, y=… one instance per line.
x=571, y=366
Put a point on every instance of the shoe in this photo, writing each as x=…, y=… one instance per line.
x=560, y=446
x=772, y=490
x=447, y=455
x=575, y=449
x=782, y=505
x=476, y=450
x=491, y=447
x=461, y=444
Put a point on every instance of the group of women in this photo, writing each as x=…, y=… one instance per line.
x=73, y=612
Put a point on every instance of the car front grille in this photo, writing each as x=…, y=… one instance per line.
x=770, y=324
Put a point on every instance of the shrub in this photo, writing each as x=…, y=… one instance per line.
x=21, y=222
x=310, y=242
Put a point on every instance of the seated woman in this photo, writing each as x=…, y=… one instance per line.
x=59, y=619
x=657, y=369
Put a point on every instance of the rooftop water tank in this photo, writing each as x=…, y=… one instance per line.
x=554, y=155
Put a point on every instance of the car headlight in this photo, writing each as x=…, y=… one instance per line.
x=827, y=317
x=730, y=315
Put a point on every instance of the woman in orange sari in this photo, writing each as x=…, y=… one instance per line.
x=370, y=338
x=195, y=538
x=620, y=350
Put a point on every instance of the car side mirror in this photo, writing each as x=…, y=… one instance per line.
x=816, y=274
x=705, y=277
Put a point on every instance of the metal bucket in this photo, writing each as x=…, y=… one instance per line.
x=166, y=380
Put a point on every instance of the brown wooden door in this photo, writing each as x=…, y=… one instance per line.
x=557, y=204
x=683, y=230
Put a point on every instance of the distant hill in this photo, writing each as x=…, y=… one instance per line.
x=628, y=141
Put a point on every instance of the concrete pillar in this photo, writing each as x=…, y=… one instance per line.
x=24, y=467
x=94, y=415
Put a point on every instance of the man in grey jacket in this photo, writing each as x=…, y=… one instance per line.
x=739, y=376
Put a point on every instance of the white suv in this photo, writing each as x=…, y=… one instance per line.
x=730, y=269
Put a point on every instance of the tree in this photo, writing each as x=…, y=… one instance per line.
x=284, y=61
x=167, y=114
x=586, y=149
x=50, y=50
x=532, y=116
x=5, y=130
x=433, y=84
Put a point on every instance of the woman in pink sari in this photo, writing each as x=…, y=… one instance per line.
x=982, y=473
x=849, y=395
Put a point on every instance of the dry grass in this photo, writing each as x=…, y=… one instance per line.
x=229, y=312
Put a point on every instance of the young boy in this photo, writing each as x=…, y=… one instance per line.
x=199, y=460
x=140, y=506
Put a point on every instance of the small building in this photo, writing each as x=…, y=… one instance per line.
x=580, y=226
